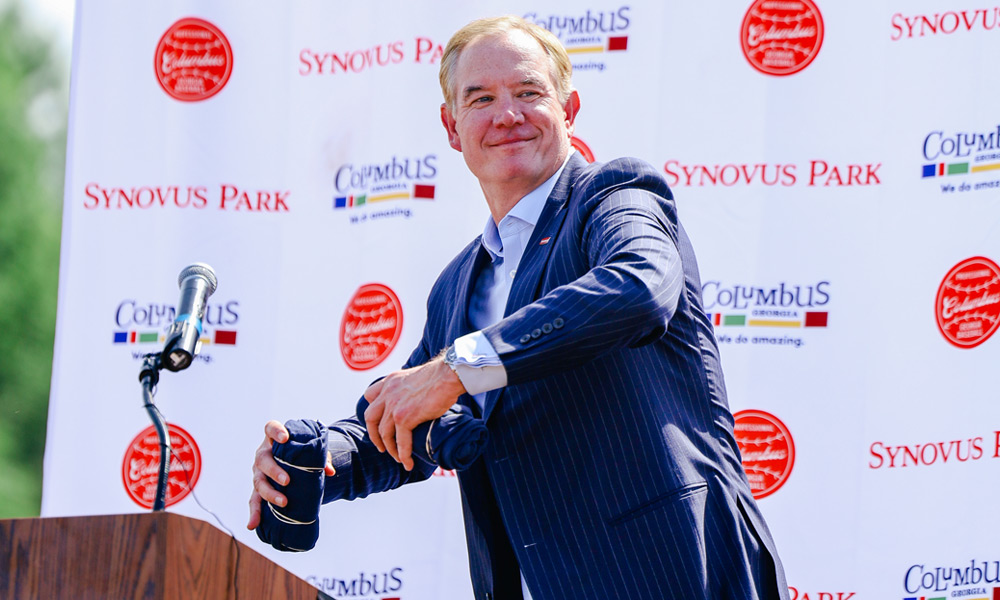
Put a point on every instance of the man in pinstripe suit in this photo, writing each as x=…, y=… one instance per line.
x=574, y=327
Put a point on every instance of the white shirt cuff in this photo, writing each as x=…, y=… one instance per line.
x=478, y=366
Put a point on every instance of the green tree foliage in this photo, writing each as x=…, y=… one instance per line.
x=32, y=142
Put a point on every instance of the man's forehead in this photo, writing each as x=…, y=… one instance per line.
x=513, y=56
x=510, y=38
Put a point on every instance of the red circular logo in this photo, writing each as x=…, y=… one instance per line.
x=371, y=326
x=193, y=60
x=142, y=463
x=582, y=148
x=767, y=449
x=968, y=302
x=781, y=37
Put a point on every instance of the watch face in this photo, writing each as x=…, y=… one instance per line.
x=451, y=357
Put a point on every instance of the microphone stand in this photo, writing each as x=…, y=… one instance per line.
x=149, y=376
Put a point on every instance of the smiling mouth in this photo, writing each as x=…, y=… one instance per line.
x=511, y=142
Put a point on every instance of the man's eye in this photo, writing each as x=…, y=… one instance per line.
x=482, y=99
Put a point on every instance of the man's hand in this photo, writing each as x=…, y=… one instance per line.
x=265, y=466
x=405, y=399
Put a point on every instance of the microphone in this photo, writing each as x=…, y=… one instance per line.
x=197, y=283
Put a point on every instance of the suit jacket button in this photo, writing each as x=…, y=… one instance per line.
x=547, y=328
x=525, y=338
x=536, y=334
x=558, y=322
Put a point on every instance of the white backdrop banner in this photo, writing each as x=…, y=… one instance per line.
x=837, y=166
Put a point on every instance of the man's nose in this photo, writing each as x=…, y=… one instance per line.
x=508, y=115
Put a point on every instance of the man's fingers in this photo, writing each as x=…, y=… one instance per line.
x=371, y=394
x=403, y=400
x=263, y=488
x=254, y=511
x=387, y=429
x=373, y=416
x=276, y=432
x=328, y=469
x=404, y=444
x=264, y=466
x=264, y=462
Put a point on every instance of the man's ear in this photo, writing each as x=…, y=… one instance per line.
x=571, y=108
x=449, y=124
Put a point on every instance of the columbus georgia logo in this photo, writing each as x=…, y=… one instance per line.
x=967, y=305
x=781, y=37
x=767, y=449
x=372, y=323
x=193, y=60
x=141, y=464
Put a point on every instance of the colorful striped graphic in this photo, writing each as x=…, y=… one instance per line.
x=349, y=201
x=809, y=319
x=734, y=320
x=987, y=167
x=996, y=596
x=136, y=337
x=224, y=337
x=423, y=192
x=773, y=323
x=615, y=44
x=584, y=49
x=962, y=168
x=618, y=43
x=816, y=319
x=392, y=196
x=419, y=192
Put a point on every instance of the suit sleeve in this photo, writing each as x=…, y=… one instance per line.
x=628, y=293
x=361, y=469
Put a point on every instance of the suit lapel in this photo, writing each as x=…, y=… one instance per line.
x=528, y=282
x=527, y=285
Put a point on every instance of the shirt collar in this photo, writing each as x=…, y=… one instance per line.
x=528, y=209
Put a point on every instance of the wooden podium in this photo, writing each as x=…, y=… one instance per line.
x=154, y=556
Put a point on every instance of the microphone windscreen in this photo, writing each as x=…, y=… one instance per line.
x=200, y=269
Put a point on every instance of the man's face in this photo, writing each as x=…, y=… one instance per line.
x=507, y=119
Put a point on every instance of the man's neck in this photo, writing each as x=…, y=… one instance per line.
x=502, y=197
x=501, y=201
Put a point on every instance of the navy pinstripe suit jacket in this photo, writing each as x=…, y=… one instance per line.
x=612, y=471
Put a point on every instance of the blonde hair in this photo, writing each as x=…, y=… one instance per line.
x=561, y=68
